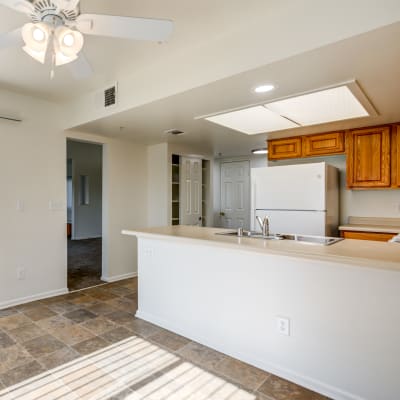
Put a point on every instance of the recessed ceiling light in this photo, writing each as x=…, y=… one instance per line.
x=260, y=151
x=264, y=88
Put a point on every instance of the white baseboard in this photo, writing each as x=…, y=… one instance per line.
x=29, y=299
x=116, y=278
x=305, y=381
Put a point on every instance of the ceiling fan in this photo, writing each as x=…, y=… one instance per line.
x=55, y=33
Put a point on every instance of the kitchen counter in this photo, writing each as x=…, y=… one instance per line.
x=340, y=303
x=366, y=224
x=355, y=252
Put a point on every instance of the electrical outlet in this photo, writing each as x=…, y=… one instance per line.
x=149, y=251
x=21, y=274
x=283, y=325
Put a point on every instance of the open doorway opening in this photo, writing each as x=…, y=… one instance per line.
x=84, y=214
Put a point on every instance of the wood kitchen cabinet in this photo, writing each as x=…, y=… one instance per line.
x=368, y=158
x=376, y=236
x=396, y=157
x=323, y=144
x=280, y=149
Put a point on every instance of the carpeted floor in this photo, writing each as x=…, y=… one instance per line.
x=84, y=263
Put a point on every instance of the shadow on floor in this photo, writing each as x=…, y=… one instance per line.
x=84, y=263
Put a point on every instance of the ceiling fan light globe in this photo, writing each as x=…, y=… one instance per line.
x=39, y=56
x=61, y=59
x=69, y=42
x=36, y=36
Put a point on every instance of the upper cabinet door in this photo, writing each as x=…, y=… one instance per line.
x=396, y=156
x=368, y=158
x=280, y=149
x=323, y=144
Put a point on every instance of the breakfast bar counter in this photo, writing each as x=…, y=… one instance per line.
x=356, y=252
x=324, y=317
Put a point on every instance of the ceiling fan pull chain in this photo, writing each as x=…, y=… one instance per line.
x=53, y=63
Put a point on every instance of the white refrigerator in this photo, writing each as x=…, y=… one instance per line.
x=301, y=199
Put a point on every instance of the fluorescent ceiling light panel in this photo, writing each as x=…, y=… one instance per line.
x=253, y=121
x=328, y=105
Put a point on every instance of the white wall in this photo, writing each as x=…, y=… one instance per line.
x=124, y=201
x=87, y=160
x=32, y=171
x=33, y=174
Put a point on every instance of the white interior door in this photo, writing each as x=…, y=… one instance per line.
x=235, y=194
x=191, y=190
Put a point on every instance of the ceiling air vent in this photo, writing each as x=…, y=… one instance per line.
x=110, y=96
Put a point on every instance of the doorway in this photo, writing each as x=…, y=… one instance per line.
x=84, y=214
x=235, y=194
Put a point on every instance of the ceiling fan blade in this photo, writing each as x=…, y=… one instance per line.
x=66, y=4
x=81, y=68
x=11, y=39
x=125, y=27
x=22, y=6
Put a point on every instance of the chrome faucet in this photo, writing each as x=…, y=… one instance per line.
x=264, y=225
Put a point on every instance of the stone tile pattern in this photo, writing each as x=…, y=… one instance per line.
x=43, y=335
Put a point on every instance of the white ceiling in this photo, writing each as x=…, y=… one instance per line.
x=200, y=69
x=372, y=59
x=195, y=23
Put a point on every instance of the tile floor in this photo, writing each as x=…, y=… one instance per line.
x=84, y=263
x=89, y=345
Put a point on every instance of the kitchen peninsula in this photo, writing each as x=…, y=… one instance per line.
x=325, y=317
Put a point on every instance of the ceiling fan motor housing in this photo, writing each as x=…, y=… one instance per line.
x=49, y=12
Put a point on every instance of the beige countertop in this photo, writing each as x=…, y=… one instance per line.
x=379, y=255
x=372, y=224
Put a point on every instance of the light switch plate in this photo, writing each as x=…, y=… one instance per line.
x=20, y=205
x=283, y=325
x=56, y=205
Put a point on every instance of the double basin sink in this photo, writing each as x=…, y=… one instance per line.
x=307, y=239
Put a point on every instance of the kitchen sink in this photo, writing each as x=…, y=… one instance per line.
x=306, y=239
x=251, y=234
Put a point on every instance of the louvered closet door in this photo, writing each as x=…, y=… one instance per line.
x=191, y=191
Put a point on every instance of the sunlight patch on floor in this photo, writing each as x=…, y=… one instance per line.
x=150, y=372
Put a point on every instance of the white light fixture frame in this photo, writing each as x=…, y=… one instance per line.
x=352, y=85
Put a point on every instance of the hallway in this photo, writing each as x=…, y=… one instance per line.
x=84, y=263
